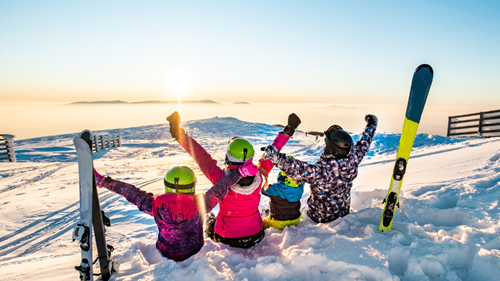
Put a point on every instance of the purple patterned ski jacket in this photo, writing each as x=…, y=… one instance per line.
x=330, y=179
x=179, y=217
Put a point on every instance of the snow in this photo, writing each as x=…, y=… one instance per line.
x=447, y=226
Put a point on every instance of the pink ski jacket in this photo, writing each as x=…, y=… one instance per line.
x=239, y=215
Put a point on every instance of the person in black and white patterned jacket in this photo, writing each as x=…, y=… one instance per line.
x=331, y=177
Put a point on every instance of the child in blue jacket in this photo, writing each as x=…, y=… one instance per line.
x=284, y=202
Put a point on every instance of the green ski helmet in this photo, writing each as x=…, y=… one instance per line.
x=238, y=151
x=180, y=179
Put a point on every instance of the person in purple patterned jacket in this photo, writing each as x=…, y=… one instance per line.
x=179, y=212
x=331, y=177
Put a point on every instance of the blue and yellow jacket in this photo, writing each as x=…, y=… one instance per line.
x=285, y=200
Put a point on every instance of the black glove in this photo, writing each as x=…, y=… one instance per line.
x=293, y=123
x=174, y=121
x=371, y=120
x=270, y=153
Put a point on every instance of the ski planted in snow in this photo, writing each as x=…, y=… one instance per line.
x=91, y=216
x=420, y=85
x=83, y=230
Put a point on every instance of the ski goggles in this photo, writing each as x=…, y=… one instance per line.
x=287, y=180
x=331, y=129
x=179, y=188
x=230, y=160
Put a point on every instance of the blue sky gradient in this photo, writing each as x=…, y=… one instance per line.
x=254, y=51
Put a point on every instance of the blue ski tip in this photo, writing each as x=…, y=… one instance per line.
x=426, y=66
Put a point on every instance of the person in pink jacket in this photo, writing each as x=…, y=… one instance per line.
x=238, y=223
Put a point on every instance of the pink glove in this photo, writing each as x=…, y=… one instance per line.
x=248, y=169
x=99, y=180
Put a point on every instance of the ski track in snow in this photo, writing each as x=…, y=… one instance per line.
x=445, y=229
x=67, y=216
x=24, y=182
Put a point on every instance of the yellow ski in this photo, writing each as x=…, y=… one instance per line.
x=420, y=85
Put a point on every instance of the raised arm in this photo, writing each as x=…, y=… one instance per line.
x=282, y=139
x=278, y=142
x=362, y=146
x=142, y=199
x=207, y=164
x=296, y=169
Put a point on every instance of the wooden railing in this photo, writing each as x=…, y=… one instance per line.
x=483, y=125
x=101, y=142
x=7, y=148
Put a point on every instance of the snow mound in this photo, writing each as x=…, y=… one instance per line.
x=445, y=229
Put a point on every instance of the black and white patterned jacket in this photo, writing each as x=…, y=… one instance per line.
x=330, y=179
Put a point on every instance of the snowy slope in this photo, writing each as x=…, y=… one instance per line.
x=446, y=229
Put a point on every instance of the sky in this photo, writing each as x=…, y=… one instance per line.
x=252, y=51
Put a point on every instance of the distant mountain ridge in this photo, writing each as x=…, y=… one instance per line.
x=139, y=102
x=101, y=102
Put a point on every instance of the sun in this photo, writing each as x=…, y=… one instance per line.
x=178, y=84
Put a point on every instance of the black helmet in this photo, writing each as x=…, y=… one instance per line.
x=337, y=142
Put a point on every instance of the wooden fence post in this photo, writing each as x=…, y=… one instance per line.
x=10, y=149
x=101, y=142
x=480, y=129
x=449, y=126
x=106, y=140
x=94, y=143
x=8, y=142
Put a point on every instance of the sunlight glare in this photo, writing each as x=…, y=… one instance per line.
x=178, y=84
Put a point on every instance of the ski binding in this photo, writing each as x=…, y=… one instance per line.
x=81, y=234
x=84, y=269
